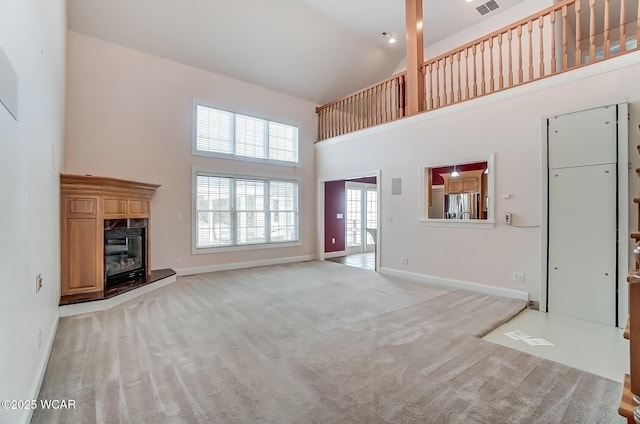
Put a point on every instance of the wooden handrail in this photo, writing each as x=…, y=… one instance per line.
x=363, y=90
x=516, y=54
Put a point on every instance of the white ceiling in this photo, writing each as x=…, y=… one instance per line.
x=319, y=50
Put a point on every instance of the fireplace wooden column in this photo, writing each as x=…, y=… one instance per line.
x=86, y=201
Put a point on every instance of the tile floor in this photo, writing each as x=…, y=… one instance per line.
x=595, y=348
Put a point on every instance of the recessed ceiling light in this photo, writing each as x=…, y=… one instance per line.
x=390, y=38
x=469, y=1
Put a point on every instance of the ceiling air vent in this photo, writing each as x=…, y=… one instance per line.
x=489, y=6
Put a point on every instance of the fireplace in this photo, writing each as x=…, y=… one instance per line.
x=125, y=248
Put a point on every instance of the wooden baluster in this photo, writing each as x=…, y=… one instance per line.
x=491, y=76
x=393, y=94
x=327, y=122
x=360, y=110
x=623, y=26
x=592, y=31
x=374, y=106
x=607, y=42
x=466, y=73
x=451, y=98
x=430, y=83
x=510, y=36
x=376, y=103
x=381, y=103
x=578, y=38
x=565, y=39
x=388, y=102
x=345, y=116
x=520, y=70
x=530, y=31
x=340, y=117
x=552, y=16
x=332, y=119
x=437, y=84
x=459, y=77
x=500, y=65
x=634, y=324
x=392, y=105
x=403, y=96
x=541, y=33
x=483, y=87
x=443, y=101
x=475, y=73
x=366, y=122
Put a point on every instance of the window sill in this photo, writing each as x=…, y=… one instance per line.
x=240, y=158
x=458, y=223
x=243, y=247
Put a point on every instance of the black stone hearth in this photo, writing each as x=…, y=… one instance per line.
x=116, y=289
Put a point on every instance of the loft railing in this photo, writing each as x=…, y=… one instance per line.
x=374, y=105
x=566, y=36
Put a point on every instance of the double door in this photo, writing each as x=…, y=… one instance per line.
x=361, y=217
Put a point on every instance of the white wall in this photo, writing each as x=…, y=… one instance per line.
x=129, y=115
x=32, y=33
x=507, y=124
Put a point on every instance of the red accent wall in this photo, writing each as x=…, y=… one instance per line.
x=334, y=203
x=436, y=179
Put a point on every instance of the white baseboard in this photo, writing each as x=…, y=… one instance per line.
x=338, y=254
x=101, y=305
x=241, y=265
x=42, y=368
x=455, y=284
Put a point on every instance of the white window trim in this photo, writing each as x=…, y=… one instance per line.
x=245, y=246
x=232, y=156
x=461, y=223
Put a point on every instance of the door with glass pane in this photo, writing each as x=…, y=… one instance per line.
x=361, y=217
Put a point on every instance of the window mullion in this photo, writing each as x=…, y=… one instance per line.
x=267, y=210
x=233, y=135
x=234, y=221
x=266, y=140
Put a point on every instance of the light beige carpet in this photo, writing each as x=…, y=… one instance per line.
x=316, y=342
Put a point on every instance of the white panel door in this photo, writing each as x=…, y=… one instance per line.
x=583, y=138
x=582, y=243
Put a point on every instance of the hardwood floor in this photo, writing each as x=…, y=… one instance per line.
x=360, y=260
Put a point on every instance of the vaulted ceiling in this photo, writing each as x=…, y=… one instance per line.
x=318, y=50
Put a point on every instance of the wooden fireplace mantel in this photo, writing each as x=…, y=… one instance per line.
x=85, y=202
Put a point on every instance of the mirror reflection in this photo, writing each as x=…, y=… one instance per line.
x=458, y=191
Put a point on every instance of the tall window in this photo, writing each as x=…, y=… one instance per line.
x=233, y=211
x=221, y=132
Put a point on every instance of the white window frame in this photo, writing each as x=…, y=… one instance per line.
x=243, y=246
x=233, y=155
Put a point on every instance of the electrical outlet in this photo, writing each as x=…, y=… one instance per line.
x=333, y=240
x=38, y=282
x=404, y=260
x=507, y=218
x=518, y=277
